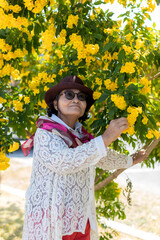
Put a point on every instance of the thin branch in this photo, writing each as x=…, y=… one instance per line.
x=115, y=174
x=155, y=76
x=156, y=99
x=99, y=176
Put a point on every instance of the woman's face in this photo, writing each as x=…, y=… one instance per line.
x=70, y=108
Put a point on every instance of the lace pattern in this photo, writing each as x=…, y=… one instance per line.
x=60, y=198
x=114, y=160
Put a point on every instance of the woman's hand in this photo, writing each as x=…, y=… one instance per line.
x=114, y=130
x=139, y=156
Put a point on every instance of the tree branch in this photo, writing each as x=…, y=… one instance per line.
x=115, y=174
x=155, y=76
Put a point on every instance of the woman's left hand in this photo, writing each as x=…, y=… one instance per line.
x=139, y=156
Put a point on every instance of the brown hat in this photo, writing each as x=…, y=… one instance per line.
x=69, y=82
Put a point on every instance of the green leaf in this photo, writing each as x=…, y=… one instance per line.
x=37, y=29
x=121, y=55
x=132, y=87
x=107, y=46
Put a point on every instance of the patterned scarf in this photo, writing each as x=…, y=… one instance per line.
x=69, y=138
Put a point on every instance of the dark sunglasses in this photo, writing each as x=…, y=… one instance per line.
x=71, y=95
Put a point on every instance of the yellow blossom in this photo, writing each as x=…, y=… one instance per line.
x=18, y=105
x=13, y=147
x=129, y=67
x=46, y=88
x=119, y=101
x=156, y=134
x=129, y=36
x=35, y=91
x=96, y=95
x=2, y=100
x=3, y=161
x=139, y=44
x=127, y=49
x=26, y=100
x=42, y=104
x=110, y=85
x=72, y=20
x=147, y=85
x=144, y=120
x=149, y=135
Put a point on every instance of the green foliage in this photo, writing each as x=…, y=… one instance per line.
x=99, y=51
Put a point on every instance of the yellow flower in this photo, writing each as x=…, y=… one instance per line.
x=110, y=85
x=42, y=104
x=35, y=91
x=144, y=120
x=129, y=37
x=99, y=81
x=147, y=85
x=13, y=147
x=18, y=105
x=96, y=95
x=119, y=101
x=26, y=100
x=46, y=88
x=156, y=134
x=139, y=44
x=129, y=67
x=3, y=161
x=150, y=134
x=72, y=20
x=127, y=49
x=2, y=100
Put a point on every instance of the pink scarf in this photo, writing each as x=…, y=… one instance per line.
x=70, y=139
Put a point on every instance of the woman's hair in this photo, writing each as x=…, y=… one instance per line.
x=51, y=110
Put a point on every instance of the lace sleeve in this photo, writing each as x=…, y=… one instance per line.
x=51, y=151
x=114, y=160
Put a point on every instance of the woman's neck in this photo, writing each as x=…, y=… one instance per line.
x=69, y=120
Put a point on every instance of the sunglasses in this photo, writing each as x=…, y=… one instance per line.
x=71, y=95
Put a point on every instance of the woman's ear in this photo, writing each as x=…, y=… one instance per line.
x=55, y=103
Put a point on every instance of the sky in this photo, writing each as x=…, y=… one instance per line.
x=117, y=9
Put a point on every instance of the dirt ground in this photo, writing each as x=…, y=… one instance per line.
x=143, y=214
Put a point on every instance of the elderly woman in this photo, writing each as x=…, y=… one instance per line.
x=60, y=199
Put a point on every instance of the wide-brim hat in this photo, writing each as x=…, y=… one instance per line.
x=69, y=82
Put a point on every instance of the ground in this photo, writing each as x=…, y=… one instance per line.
x=143, y=214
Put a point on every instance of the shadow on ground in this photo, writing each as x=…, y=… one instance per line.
x=11, y=222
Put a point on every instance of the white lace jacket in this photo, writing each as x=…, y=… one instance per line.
x=60, y=198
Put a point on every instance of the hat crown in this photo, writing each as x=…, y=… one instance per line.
x=71, y=79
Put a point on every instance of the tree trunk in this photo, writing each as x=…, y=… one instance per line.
x=115, y=174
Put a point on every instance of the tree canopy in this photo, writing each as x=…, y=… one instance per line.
x=42, y=41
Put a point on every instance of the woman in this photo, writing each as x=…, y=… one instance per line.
x=60, y=199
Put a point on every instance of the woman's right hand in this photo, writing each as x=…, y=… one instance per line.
x=114, y=130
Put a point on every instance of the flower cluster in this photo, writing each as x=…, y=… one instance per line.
x=3, y=161
x=129, y=67
x=35, y=6
x=83, y=51
x=2, y=100
x=18, y=105
x=62, y=37
x=72, y=20
x=13, y=147
x=147, y=85
x=96, y=95
x=110, y=85
x=132, y=117
x=152, y=133
x=119, y=101
x=48, y=37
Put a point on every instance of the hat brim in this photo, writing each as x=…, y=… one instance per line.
x=51, y=94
